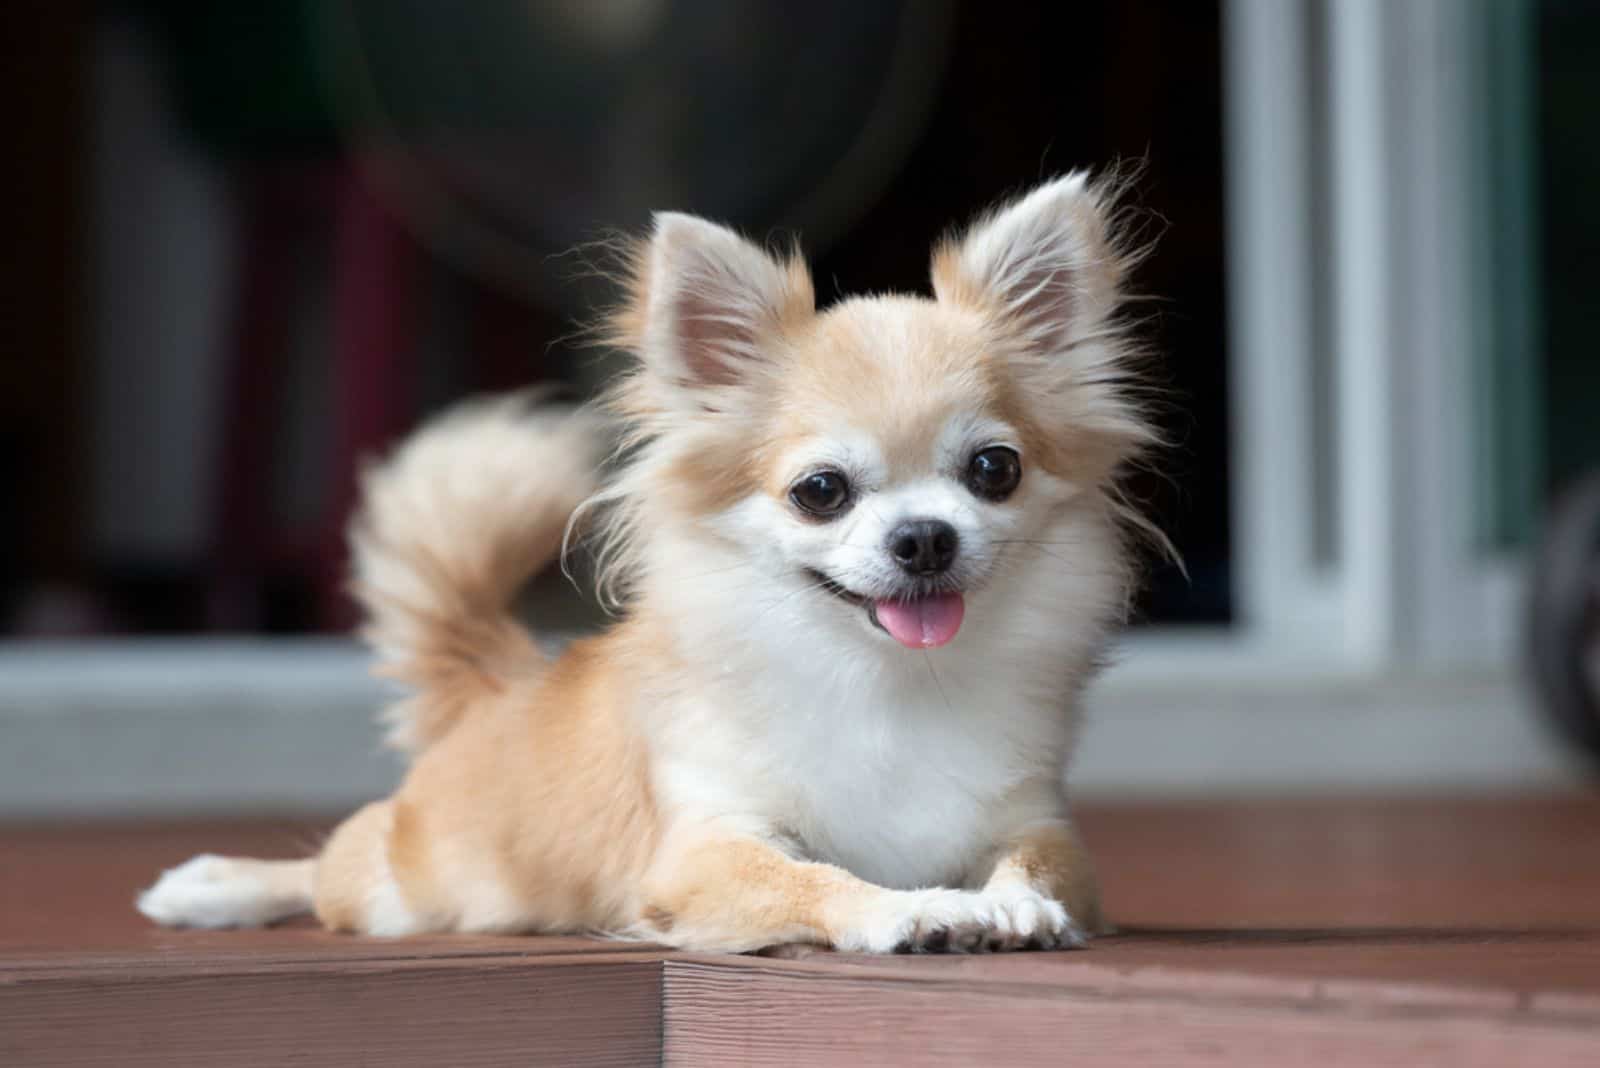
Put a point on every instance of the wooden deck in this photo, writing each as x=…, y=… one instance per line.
x=1331, y=932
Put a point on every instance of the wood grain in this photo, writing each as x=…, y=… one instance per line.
x=716, y=1014
x=393, y=1014
x=1426, y=863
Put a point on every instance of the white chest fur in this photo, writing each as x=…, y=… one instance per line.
x=907, y=794
x=795, y=717
x=895, y=764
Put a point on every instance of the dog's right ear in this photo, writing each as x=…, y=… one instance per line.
x=705, y=303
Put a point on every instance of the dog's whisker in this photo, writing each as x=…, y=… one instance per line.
x=741, y=566
x=785, y=599
x=927, y=658
x=1009, y=553
x=1032, y=541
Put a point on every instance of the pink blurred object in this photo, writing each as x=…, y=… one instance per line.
x=376, y=274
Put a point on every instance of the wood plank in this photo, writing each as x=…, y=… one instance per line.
x=66, y=902
x=717, y=1013
x=1395, y=966
x=557, y=1011
x=212, y=953
x=1504, y=863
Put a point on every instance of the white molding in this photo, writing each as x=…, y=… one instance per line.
x=1366, y=359
x=1270, y=321
x=1472, y=732
x=187, y=727
x=1431, y=270
x=200, y=728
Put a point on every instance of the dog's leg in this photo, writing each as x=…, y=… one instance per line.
x=351, y=886
x=356, y=887
x=1045, y=870
x=740, y=894
x=213, y=891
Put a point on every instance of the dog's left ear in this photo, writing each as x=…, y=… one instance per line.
x=1043, y=266
x=1046, y=272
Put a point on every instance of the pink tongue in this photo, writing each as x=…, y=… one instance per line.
x=925, y=623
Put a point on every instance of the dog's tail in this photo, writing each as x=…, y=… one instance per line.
x=451, y=525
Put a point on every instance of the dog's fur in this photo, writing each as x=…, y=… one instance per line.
x=745, y=758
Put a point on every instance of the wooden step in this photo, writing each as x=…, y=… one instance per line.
x=1326, y=932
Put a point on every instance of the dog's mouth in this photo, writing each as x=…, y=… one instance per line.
x=917, y=620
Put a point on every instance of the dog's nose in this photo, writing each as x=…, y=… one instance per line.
x=924, y=546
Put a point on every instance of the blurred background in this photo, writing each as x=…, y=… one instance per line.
x=250, y=244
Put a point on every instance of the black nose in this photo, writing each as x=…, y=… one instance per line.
x=924, y=546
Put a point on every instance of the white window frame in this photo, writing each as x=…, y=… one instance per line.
x=1408, y=588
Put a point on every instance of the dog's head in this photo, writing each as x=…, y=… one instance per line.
x=883, y=461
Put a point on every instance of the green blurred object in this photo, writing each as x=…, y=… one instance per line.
x=247, y=78
x=1537, y=250
x=1569, y=99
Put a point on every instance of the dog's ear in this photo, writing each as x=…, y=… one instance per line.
x=1043, y=267
x=1047, y=273
x=705, y=302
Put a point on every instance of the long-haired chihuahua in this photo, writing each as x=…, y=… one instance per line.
x=866, y=557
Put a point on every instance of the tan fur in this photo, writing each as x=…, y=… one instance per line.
x=738, y=895
x=542, y=800
x=839, y=368
x=535, y=813
x=715, y=479
x=352, y=866
x=537, y=800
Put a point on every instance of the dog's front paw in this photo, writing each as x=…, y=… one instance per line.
x=959, y=921
x=1029, y=920
x=920, y=921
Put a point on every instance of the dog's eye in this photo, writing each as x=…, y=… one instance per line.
x=822, y=493
x=994, y=472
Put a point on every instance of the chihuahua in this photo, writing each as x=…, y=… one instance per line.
x=866, y=557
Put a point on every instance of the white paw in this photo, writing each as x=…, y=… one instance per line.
x=210, y=891
x=1029, y=919
x=960, y=921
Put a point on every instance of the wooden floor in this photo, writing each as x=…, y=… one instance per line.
x=1333, y=932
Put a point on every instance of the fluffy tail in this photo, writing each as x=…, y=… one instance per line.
x=451, y=525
